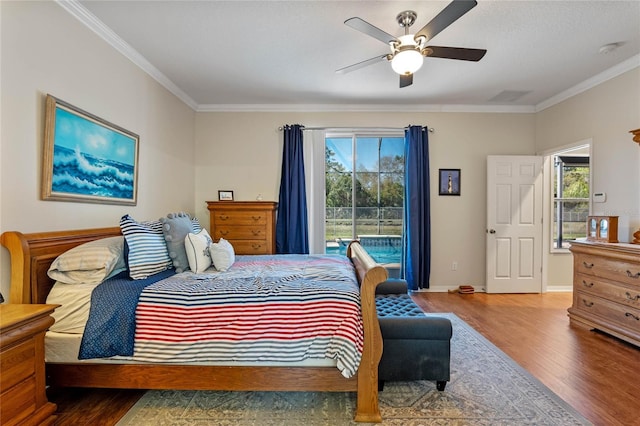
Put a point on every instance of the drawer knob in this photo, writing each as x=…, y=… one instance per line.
x=629, y=314
x=223, y=217
x=255, y=233
x=256, y=246
x=586, y=284
x=256, y=217
x=633, y=298
x=587, y=303
x=630, y=275
x=587, y=265
x=225, y=233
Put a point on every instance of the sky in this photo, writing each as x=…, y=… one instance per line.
x=365, y=157
x=73, y=131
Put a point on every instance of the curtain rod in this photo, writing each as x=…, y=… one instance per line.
x=359, y=129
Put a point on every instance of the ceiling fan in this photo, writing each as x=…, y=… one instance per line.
x=409, y=50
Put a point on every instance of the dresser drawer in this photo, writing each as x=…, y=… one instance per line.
x=609, y=290
x=251, y=247
x=625, y=316
x=234, y=218
x=241, y=232
x=618, y=270
x=18, y=402
x=17, y=363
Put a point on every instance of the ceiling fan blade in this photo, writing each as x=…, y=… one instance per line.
x=361, y=64
x=371, y=30
x=461, y=53
x=446, y=17
x=406, y=80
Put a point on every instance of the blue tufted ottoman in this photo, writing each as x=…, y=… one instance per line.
x=416, y=347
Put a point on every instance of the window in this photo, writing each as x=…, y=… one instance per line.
x=364, y=181
x=570, y=198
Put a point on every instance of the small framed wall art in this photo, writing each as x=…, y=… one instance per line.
x=225, y=195
x=602, y=228
x=449, y=182
x=87, y=159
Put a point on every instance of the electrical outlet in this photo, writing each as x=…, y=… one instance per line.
x=454, y=266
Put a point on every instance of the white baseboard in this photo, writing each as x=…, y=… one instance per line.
x=560, y=289
x=445, y=289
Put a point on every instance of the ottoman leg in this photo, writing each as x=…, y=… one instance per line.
x=440, y=385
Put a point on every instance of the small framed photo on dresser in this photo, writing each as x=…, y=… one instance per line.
x=225, y=195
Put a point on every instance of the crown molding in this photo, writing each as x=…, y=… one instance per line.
x=519, y=109
x=83, y=15
x=616, y=70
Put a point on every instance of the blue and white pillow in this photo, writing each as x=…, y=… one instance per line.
x=195, y=223
x=197, y=247
x=148, y=252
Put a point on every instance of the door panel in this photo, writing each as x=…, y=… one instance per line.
x=514, y=224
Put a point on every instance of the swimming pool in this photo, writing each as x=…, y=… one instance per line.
x=383, y=249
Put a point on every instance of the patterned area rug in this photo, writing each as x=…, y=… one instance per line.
x=486, y=388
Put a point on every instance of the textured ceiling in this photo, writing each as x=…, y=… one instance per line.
x=234, y=55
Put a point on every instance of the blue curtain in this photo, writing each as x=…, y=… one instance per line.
x=416, y=247
x=292, y=231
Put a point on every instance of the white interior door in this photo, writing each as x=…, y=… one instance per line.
x=514, y=224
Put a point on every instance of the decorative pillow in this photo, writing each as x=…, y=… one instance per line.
x=197, y=248
x=195, y=224
x=175, y=228
x=148, y=252
x=222, y=254
x=89, y=263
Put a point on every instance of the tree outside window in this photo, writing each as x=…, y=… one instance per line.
x=571, y=199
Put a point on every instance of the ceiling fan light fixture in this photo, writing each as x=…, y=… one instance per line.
x=407, y=61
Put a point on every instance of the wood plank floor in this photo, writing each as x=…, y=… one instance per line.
x=596, y=374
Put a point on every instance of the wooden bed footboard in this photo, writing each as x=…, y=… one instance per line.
x=32, y=254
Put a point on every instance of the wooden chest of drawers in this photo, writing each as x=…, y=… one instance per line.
x=606, y=288
x=22, y=376
x=248, y=225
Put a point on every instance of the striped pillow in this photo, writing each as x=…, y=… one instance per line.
x=148, y=252
x=195, y=224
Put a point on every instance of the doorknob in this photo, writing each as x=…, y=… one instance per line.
x=491, y=231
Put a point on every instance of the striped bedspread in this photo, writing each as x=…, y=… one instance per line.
x=264, y=308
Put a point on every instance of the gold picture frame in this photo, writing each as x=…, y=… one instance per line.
x=87, y=159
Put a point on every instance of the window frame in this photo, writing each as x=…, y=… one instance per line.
x=354, y=136
x=585, y=150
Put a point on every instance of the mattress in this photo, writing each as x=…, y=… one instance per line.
x=63, y=348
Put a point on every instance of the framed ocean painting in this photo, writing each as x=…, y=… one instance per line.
x=87, y=159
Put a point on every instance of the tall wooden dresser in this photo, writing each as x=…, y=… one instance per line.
x=606, y=288
x=22, y=376
x=248, y=225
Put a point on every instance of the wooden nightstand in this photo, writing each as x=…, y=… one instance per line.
x=22, y=376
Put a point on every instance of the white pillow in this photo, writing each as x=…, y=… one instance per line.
x=197, y=248
x=222, y=254
x=89, y=263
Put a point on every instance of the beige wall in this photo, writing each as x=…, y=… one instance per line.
x=46, y=50
x=604, y=114
x=186, y=157
x=242, y=152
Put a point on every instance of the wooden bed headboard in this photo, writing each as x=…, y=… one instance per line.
x=32, y=254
